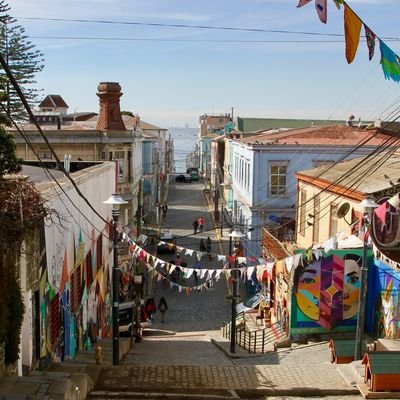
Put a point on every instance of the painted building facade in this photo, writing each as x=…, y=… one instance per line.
x=71, y=302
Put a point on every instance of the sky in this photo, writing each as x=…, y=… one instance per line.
x=172, y=75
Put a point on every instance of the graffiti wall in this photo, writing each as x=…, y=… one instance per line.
x=75, y=299
x=325, y=294
x=384, y=304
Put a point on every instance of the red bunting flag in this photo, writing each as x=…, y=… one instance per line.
x=322, y=10
x=370, y=41
x=303, y=3
x=352, y=30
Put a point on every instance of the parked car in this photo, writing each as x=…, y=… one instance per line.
x=166, y=248
x=126, y=318
x=194, y=176
x=192, y=169
x=183, y=178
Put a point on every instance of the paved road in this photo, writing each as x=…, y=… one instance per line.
x=179, y=355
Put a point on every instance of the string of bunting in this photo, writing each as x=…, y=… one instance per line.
x=390, y=61
x=253, y=273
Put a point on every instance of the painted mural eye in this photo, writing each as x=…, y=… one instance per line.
x=353, y=279
x=308, y=280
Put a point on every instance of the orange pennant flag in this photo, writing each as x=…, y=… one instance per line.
x=352, y=30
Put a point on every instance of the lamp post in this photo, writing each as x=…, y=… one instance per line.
x=368, y=207
x=235, y=234
x=115, y=200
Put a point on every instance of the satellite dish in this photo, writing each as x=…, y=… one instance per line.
x=343, y=210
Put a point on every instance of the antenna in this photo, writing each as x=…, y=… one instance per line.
x=343, y=210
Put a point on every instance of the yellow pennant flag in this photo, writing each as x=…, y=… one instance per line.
x=352, y=30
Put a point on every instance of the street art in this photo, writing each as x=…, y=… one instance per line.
x=386, y=302
x=326, y=294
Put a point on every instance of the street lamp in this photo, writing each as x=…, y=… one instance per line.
x=115, y=200
x=235, y=234
x=368, y=205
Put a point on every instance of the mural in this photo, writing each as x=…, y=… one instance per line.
x=385, y=313
x=325, y=294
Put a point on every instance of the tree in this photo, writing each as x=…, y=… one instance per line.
x=23, y=60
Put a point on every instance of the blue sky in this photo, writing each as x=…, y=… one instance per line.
x=177, y=74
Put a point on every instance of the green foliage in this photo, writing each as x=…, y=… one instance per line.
x=9, y=163
x=23, y=60
x=15, y=316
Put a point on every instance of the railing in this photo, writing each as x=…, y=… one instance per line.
x=257, y=341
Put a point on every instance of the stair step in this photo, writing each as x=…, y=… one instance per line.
x=186, y=394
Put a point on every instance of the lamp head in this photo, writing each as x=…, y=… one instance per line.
x=368, y=205
x=115, y=200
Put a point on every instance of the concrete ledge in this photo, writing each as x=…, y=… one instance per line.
x=368, y=394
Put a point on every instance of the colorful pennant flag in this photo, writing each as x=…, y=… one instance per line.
x=390, y=62
x=303, y=3
x=370, y=36
x=352, y=30
x=338, y=3
x=322, y=10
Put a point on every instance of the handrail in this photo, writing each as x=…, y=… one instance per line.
x=256, y=341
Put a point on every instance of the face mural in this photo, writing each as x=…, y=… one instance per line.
x=351, y=290
x=327, y=292
x=309, y=286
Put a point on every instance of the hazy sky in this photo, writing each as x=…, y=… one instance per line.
x=171, y=75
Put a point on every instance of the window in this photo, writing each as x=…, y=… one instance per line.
x=317, y=209
x=303, y=199
x=119, y=157
x=44, y=154
x=333, y=220
x=278, y=178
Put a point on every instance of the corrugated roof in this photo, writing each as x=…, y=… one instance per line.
x=326, y=135
x=368, y=174
x=256, y=124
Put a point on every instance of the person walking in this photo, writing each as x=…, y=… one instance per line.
x=201, y=223
x=208, y=245
x=162, y=307
x=164, y=210
x=202, y=246
x=195, y=225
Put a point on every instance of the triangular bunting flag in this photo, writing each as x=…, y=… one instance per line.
x=303, y=3
x=250, y=271
x=338, y=3
x=321, y=7
x=390, y=62
x=352, y=30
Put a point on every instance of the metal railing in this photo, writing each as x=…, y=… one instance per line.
x=256, y=341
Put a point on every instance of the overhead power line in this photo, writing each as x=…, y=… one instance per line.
x=186, y=26
x=17, y=88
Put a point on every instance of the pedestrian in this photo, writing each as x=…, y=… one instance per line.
x=201, y=224
x=195, y=225
x=150, y=308
x=208, y=245
x=202, y=246
x=162, y=307
x=164, y=210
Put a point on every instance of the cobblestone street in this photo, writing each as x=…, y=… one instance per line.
x=188, y=354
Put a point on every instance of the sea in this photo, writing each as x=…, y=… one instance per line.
x=185, y=142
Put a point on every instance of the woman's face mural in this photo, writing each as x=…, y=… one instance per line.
x=328, y=290
x=308, y=290
x=351, y=289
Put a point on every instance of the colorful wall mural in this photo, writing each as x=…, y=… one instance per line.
x=325, y=293
x=384, y=301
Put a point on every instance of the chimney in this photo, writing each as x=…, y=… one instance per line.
x=110, y=113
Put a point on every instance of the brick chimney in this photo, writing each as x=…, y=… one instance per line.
x=110, y=113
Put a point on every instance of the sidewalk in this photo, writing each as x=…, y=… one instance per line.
x=69, y=380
